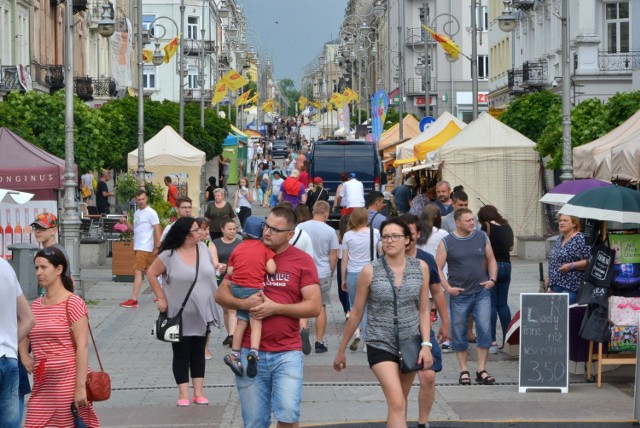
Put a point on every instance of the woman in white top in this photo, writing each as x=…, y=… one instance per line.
x=242, y=201
x=359, y=248
x=432, y=221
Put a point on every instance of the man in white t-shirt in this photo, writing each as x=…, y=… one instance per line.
x=276, y=182
x=325, y=256
x=16, y=320
x=146, y=242
x=352, y=194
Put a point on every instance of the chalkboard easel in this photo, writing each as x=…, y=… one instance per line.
x=544, y=342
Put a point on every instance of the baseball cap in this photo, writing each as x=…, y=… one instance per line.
x=45, y=221
x=317, y=180
x=352, y=174
x=253, y=227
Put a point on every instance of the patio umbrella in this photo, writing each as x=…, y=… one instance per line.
x=561, y=194
x=14, y=197
x=612, y=203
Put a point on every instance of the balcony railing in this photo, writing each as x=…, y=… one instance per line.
x=514, y=79
x=534, y=73
x=9, y=78
x=104, y=87
x=622, y=61
x=78, y=5
x=414, y=37
x=83, y=87
x=50, y=76
x=194, y=47
x=197, y=94
x=523, y=4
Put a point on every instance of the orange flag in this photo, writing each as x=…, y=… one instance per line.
x=220, y=92
x=170, y=49
x=235, y=80
x=147, y=55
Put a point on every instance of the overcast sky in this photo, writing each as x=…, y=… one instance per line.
x=295, y=30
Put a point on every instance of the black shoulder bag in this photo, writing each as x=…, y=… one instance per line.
x=170, y=329
x=371, y=236
x=408, y=349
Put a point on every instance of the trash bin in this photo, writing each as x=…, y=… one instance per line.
x=22, y=263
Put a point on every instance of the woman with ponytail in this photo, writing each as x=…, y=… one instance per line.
x=59, y=343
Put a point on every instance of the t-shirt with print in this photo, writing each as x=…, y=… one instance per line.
x=295, y=271
x=248, y=261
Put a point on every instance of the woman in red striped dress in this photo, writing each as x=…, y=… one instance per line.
x=59, y=368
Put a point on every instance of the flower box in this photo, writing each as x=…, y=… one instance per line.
x=123, y=258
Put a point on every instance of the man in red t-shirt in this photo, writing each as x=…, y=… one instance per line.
x=293, y=292
x=172, y=193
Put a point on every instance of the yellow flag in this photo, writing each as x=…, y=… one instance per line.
x=170, y=49
x=329, y=106
x=447, y=44
x=220, y=92
x=235, y=80
x=253, y=99
x=147, y=55
x=268, y=105
x=243, y=99
x=302, y=103
x=316, y=104
x=336, y=99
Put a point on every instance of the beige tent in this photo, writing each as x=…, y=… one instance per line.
x=167, y=153
x=406, y=150
x=593, y=160
x=391, y=137
x=497, y=166
x=625, y=160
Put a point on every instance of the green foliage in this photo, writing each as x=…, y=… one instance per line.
x=165, y=211
x=392, y=117
x=529, y=114
x=39, y=118
x=621, y=107
x=358, y=117
x=291, y=94
x=127, y=184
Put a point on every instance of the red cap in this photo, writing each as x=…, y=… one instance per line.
x=317, y=180
x=46, y=221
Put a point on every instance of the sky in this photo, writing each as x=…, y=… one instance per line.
x=295, y=30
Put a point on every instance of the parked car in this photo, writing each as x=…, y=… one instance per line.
x=280, y=149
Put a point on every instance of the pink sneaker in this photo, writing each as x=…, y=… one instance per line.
x=183, y=403
x=201, y=400
x=129, y=303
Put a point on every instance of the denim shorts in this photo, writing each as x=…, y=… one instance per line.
x=276, y=389
x=375, y=355
x=240, y=292
x=9, y=376
x=461, y=307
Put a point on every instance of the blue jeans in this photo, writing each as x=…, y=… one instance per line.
x=352, y=287
x=499, y=296
x=277, y=388
x=343, y=295
x=273, y=200
x=9, y=412
x=463, y=305
x=573, y=295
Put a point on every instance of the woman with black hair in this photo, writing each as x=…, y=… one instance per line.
x=184, y=260
x=59, y=343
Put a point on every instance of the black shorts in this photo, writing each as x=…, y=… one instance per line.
x=375, y=355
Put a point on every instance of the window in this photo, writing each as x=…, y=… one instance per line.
x=483, y=67
x=192, y=27
x=617, y=25
x=149, y=77
x=482, y=18
x=192, y=78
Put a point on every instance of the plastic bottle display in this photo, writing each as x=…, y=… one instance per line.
x=8, y=236
x=1, y=238
x=26, y=231
x=17, y=230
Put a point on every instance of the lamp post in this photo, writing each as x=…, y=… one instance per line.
x=70, y=219
x=507, y=23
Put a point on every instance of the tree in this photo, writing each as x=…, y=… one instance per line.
x=528, y=114
x=291, y=94
x=621, y=107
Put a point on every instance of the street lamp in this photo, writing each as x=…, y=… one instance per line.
x=507, y=23
x=106, y=25
x=70, y=221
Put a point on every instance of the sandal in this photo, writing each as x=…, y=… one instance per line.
x=464, y=380
x=485, y=380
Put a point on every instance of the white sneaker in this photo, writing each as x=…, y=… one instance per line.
x=364, y=347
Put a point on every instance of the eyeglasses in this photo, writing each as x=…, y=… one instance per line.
x=395, y=237
x=272, y=229
x=49, y=254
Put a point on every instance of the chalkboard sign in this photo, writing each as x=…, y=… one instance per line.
x=544, y=341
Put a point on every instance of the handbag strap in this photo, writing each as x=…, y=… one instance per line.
x=371, y=236
x=186, y=299
x=395, y=305
x=66, y=307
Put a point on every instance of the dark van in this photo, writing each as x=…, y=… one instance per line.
x=330, y=158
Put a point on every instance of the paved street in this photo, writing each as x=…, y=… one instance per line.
x=144, y=393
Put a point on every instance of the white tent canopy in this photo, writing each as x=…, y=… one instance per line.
x=497, y=166
x=405, y=150
x=625, y=160
x=593, y=160
x=168, y=154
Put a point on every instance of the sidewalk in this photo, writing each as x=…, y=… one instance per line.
x=144, y=392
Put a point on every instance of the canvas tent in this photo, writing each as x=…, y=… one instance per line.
x=497, y=166
x=391, y=137
x=167, y=153
x=440, y=131
x=593, y=160
x=625, y=160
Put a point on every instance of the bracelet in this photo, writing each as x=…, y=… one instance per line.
x=572, y=267
x=429, y=344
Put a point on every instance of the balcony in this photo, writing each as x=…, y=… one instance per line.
x=104, y=87
x=50, y=76
x=414, y=38
x=621, y=61
x=194, y=47
x=9, y=78
x=78, y=5
x=197, y=94
x=524, y=5
x=514, y=80
x=534, y=74
x=83, y=88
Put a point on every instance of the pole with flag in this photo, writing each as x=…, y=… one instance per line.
x=447, y=44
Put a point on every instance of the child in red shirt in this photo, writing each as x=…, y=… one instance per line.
x=247, y=266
